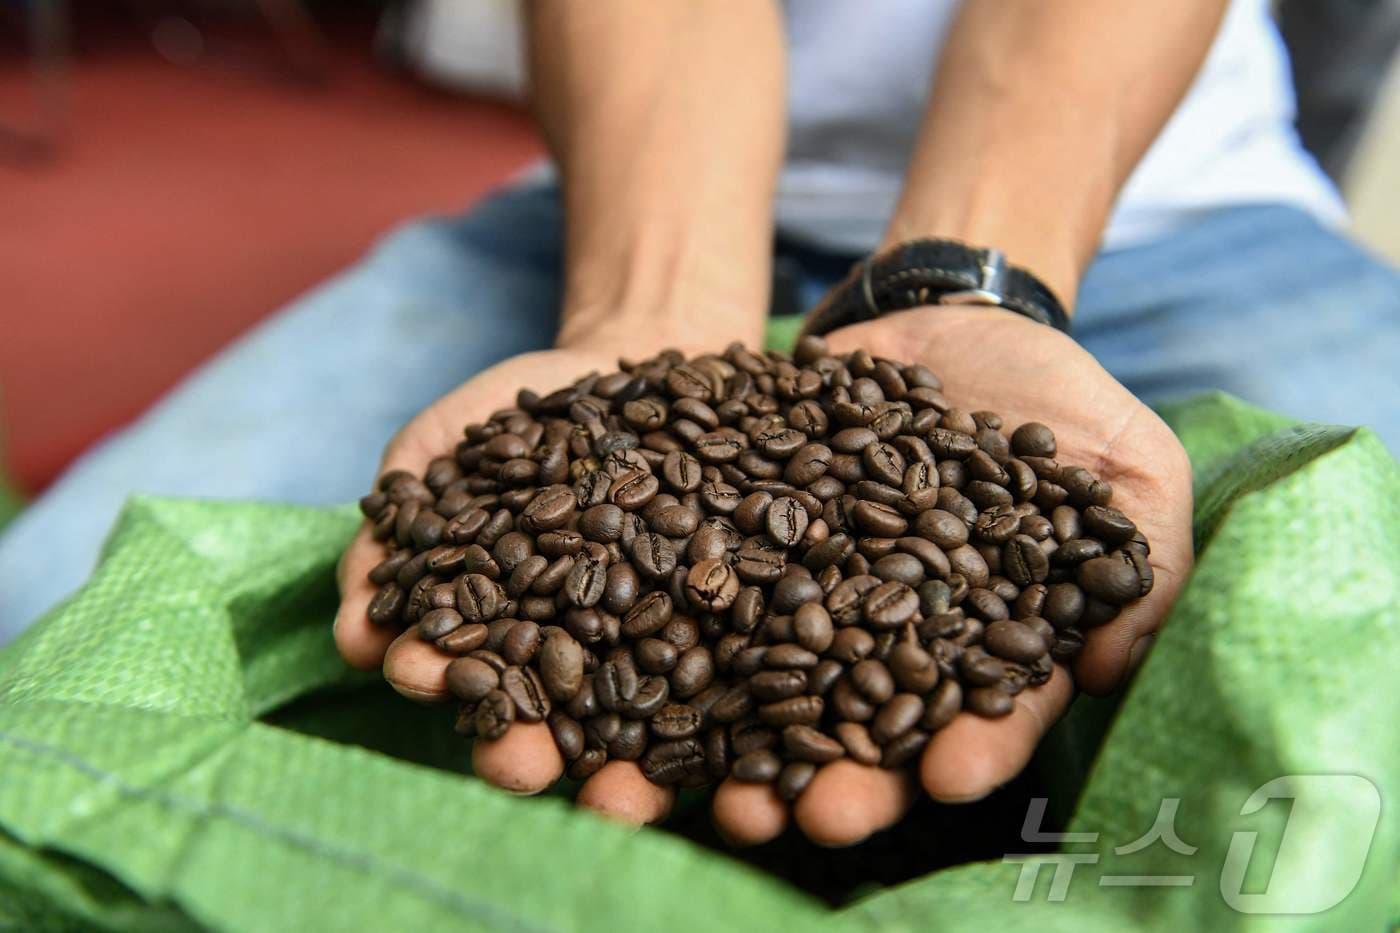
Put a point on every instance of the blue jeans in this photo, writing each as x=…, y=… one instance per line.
x=1260, y=301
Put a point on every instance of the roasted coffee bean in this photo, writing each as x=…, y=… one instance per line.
x=872, y=681
x=694, y=671
x=584, y=585
x=896, y=716
x=712, y=585
x=805, y=743
x=648, y=616
x=561, y=666
x=494, y=715
x=804, y=710
x=479, y=599
x=850, y=645
x=812, y=626
x=758, y=767
x=1111, y=579
x=940, y=708
x=904, y=748
x=786, y=521
x=890, y=605
x=656, y=655
x=438, y=622
x=653, y=555
x=749, y=736
x=675, y=721
x=794, y=778
x=773, y=685
x=463, y=640
x=734, y=704
x=651, y=694
x=1014, y=641
x=878, y=519
x=568, y=734
x=526, y=692
x=521, y=643
x=470, y=679
x=989, y=702
x=789, y=656
x=979, y=668
x=387, y=605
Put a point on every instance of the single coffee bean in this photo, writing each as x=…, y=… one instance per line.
x=794, y=778
x=1111, y=579
x=438, y=622
x=812, y=626
x=1014, y=641
x=805, y=743
x=494, y=715
x=797, y=710
x=757, y=767
x=878, y=519
x=568, y=734
x=653, y=555
x=526, y=692
x=890, y=605
x=989, y=702
x=561, y=666
x=656, y=655
x=789, y=657
x=940, y=708
x=675, y=721
x=694, y=671
x=980, y=669
x=896, y=716
x=712, y=585
x=387, y=605
x=771, y=686
x=872, y=680
x=584, y=585
x=903, y=749
x=1033, y=439
x=521, y=643
x=470, y=679
x=786, y=521
x=914, y=669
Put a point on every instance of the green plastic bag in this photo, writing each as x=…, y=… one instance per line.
x=181, y=748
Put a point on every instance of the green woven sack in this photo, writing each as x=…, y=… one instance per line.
x=181, y=748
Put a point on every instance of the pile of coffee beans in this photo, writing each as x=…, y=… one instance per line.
x=749, y=564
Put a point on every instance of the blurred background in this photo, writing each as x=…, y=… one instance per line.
x=170, y=172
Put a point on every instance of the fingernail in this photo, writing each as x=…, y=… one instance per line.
x=1136, y=656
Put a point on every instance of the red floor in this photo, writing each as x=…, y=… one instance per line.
x=189, y=203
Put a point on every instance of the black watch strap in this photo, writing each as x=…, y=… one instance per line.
x=930, y=272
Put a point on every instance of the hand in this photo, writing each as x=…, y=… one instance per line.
x=1098, y=424
x=1000, y=361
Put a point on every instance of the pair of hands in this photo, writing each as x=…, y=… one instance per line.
x=988, y=359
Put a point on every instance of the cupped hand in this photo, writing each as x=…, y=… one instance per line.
x=988, y=360
x=998, y=361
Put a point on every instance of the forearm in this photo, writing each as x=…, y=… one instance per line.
x=1039, y=113
x=666, y=121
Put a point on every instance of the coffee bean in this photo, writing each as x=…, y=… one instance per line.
x=786, y=521
x=653, y=555
x=789, y=657
x=1014, y=641
x=758, y=767
x=896, y=716
x=1111, y=579
x=568, y=734
x=890, y=605
x=773, y=685
x=812, y=626
x=584, y=585
x=805, y=743
x=989, y=702
x=494, y=715
x=526, y=692
x=470, y=679
x=561, y=666
x=712, y=585
x=1033, y=439
x=797, y=710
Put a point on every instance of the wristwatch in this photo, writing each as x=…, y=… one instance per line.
x=934, y=272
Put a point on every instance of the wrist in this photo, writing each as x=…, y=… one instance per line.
x=1038, y=249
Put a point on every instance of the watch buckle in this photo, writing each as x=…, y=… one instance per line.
x=991, y=284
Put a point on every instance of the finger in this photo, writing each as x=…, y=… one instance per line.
x=847, y=802
x=417, y=668
x=360, y=642
x=621, y=792
x=972, y=756
x=1112, y=652
x=523, y=761
x=748, y=814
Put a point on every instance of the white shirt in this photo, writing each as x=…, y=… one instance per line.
x=858, y=81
